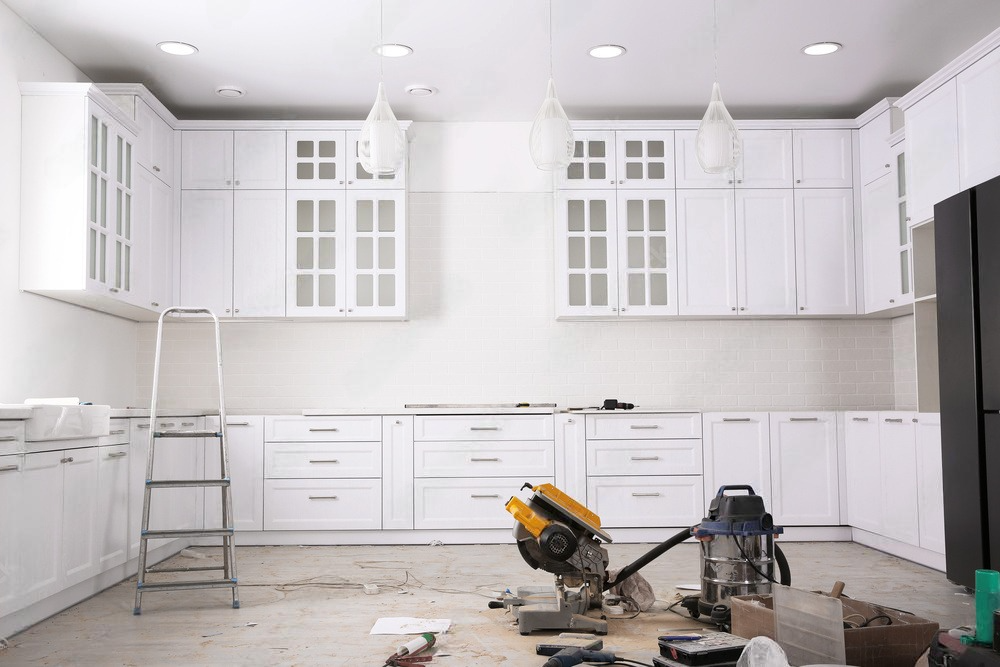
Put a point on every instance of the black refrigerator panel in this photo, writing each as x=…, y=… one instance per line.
x=991, y=466
x=986, y=211
x=961, y=411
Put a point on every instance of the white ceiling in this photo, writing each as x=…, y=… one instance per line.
x=313, y=59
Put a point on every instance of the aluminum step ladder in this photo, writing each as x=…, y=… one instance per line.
x=162, y=438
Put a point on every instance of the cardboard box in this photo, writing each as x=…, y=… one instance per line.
x=897, y=645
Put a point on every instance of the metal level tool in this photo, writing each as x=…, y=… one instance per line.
x=162, y=438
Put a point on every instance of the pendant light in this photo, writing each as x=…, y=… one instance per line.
x=718, y=144
x=551, y=139
x=382, y=144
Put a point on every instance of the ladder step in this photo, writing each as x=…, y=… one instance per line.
x=207, y=568
x=174, y=483
x=194, y=532
x=187, y=434
x=186, y=585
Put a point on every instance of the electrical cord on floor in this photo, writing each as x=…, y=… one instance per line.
x=626, y=661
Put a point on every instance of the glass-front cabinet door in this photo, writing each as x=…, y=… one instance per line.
x=586, y=254
x=316, y=160
x=98, y=212
x=315, y=248
x=375, y=255
x=593, y=162
x=647, y=252
x=122, y=278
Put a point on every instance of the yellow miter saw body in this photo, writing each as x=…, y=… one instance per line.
x=559, y=535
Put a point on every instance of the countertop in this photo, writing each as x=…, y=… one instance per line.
x=14, y=411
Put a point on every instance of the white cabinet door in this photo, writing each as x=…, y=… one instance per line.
x=316, y=248
x=593, y=163
x=586, y=253
x=246, y=470
x=11, y=519
x=206, y=262
x=376, y=253
x=224, y=159
x=736, y=447
x=767, y=159
x=153, y=249
x=822, y=158
x=358, y=177
x=323, y=504
x=880, y=241
x=824, y=252
x=805, y=483
x=765, y=252
x=658, y=501
x=207, y=159
x=864, y=471
x=470, y=502
x=978, y=108
x=40, y=517
x=647, y=251
x=155, y=144
x=258, y=238
x=259, y=159
x=706, y=252
x=112, y=506
x=316, y=160
x=930, y=493
x=897, y=440
x=397, y=472
x=689, y=171
x=645, y=159
x=876, y=154
x=932, y=151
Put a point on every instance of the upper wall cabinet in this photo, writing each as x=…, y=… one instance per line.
x=154, y=147
x=228, y=160
x=978, y=131
x=766, y=162
x=633, y=159
x=932, y=151
x=822, y=158
x=328, y=160
x=877, y=156
x=76, y=198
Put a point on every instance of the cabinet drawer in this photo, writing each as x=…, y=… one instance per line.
x=11, y=437
x=646, y=502
x=519, y=458
x=322, y=459
x=317, y=429
x=631, y=427
x=483, y=427
x=467, y=502
x=322, y=504
x=644, y=457
x=117, y=433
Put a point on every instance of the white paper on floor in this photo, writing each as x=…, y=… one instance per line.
x=406, y=625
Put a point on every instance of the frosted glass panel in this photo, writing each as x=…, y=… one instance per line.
x=575, y=171
x=304, y=253
x=577, y=252
x=118, y=264
x=119, y=154
x=598, y=215
x=303, y=149
x=658, y=290
x=633, y=149
x=366, y=216
x=904, y=235
x=657, y=215
x=127, y=268
x=387, y=215
x=634, y=212
x=127, y=212
x=304, y=171
x=327, y=171
x=387, y=253
x=304, y=215
x=599, y=289
x=128, y=165
x=327, y=290
x=92, y=254
x=636, y=253
x=901, y=175
x=304, y=291
x=576, y=220
x=578, y=149
x=633, y=170
x=904, y=271
x=636, y=289
x=102, y=210
x=655, y=149
x=365, y=251
x=597, y=170
x=657, y=252
x=597, y=149
x=328, y=149
x=655, y=171
x=327, y=253
x=598, y=252
x=578, y=289
x=93, y=197
x=365, y=295
x=102, y=257
x=327, y=215
x=103, y=144
x=94, y=140
x=119, y=218
x=387, y=290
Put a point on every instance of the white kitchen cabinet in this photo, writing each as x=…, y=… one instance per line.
x=154, y=146
x=880, y=242
x=246, y=472
x=397, y=472
x=876, y=156
x=765, y=252
x=233, y=159
x=76, y=197
x=657, y=501
x=153, y=219
x=805, y=483
x=978, y=91
x=690, y=174
x=822, y=158
x=647, y=261
x=328, y=160
x=346, y=254
x=824, y=252
x=586, y=253
x=897, y=444
x=322, y=504
x=932, y=154
x=622, y=159
x=467, y=502
x=706, y=252
x=864, y=471
x=737, y=452
x=233, y=251
x=11, y=522
x=593, y=165
x=930, y=489
x=112, y=505
x=766, y=162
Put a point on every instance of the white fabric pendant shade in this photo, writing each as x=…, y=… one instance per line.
x=718, y=145
x=551, y=139
x=382, y=144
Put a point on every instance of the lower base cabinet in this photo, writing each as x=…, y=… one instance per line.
x=805, y=481
x=246, y=471
x=467, y=503
x=322, y=504
x=655, y=501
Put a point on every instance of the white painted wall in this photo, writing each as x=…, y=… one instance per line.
x=47, y=348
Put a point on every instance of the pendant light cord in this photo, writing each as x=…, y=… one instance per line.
x=550, y=39
x=715, y=36
x=381, y=45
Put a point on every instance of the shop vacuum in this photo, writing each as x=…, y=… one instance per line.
x=557, y=534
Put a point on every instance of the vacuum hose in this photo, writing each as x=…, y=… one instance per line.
x=651, y=555
x=783, y=571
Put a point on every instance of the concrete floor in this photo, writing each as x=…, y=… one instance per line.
x=306, y=606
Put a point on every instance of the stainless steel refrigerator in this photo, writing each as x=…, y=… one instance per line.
x=967, y=247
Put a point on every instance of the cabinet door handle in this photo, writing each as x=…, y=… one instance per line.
x=484, y=428
x=157, y=169
x=492, y=458
x=68, y=459
x=859, y=419
x=119, y=431
x=324, y=461
x=7, y=438
x=644, y=458
x=11, y=468
x=893, y=421
x=117, y=455
x=736, y=419
x=645, y=495
x=643, y=427
x=322, y=497
x=142, y=425
x=167, y=424
x=229, y=423
x=804, y=419
x=187, y=423
x=154, y=304
x=324, y=430
x=484, y=495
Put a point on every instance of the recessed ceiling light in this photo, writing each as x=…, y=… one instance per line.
x=821, y=48
x=178, y=48
x=230, y=91
x=420, y=91
x=607, y=51
x=393, y=50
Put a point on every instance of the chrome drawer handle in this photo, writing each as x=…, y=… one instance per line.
x=7, y=438
x=645, y=458
x=117, y=455
x=645, y=495
x=13, y=468
x=484, y=428
x=119, y=431
x=859, y=419
x=323, y=430
x=893, y=421
x=187, y=423
x=804, y=419
x=322, y=497
x=68, y=459
x=640, y=427
x=475, y=459
x=143, y=425
x=323, y=461
x=484, y=495
x=237, y=423
x=167, y=424
x=736, y=419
